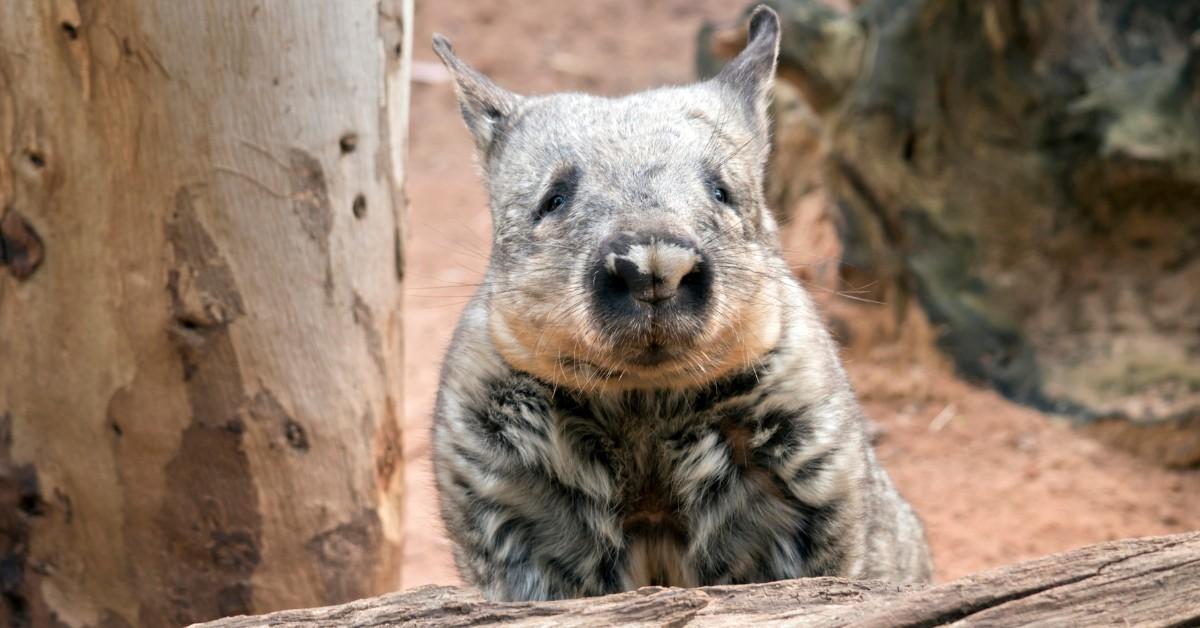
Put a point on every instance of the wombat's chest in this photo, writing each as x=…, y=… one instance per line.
x=669, y=490
x=667, y=473
x=651, y=511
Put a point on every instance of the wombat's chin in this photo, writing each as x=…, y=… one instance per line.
x=655, y=355
x=647, y=372
x=658, y=351
x=635, y=360
x=630, y=366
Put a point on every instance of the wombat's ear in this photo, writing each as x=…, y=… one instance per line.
x=752, y=72
x=484, y=104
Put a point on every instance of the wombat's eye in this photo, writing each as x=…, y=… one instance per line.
x=720, y=194
x=552, y=203
x=560, y=194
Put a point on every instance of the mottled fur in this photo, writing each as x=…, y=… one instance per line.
x=568, y=463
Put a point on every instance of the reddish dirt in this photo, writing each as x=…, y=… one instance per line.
x=994, y=482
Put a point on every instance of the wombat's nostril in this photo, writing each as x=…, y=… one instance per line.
x=624, y=277
x=617, y=283
x=695, y=278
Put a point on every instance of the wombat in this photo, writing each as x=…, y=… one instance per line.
x=640, y=393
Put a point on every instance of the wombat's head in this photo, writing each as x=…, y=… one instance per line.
x=632, y=245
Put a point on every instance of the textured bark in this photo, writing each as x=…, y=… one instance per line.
x=200, y=290
x=1028, y=173
x=1143, y=582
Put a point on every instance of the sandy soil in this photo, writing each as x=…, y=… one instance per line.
x=994, y=482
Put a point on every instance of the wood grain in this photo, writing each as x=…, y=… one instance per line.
x=1140, y=582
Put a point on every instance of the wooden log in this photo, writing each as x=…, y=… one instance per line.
x=1145, y=582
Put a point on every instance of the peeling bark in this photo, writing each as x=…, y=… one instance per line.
x=1139, y=582
x=200, y=348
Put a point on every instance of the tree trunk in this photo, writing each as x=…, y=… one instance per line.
x=1142, y=582
x=200, y=333
x=1028, y=173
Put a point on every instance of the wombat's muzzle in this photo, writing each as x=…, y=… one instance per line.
x=650, y=287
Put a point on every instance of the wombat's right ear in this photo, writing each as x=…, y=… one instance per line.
x=752, y=72
x=484, y=104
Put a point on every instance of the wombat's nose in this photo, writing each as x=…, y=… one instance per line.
x=652, y=269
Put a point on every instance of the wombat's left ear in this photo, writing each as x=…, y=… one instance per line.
x=484, y=104
x=752, y=72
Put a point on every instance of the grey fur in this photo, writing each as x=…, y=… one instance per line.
x=568, y=468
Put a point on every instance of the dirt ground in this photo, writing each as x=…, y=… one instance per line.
x=994, y=482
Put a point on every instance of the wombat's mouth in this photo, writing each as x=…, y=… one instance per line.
x=654, y=340
x=676, y=357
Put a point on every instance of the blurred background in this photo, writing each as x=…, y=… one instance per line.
x=995, y=203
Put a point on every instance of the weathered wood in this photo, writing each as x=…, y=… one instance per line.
x=1151, y=581
x=1145, y=582
x=199, y=306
